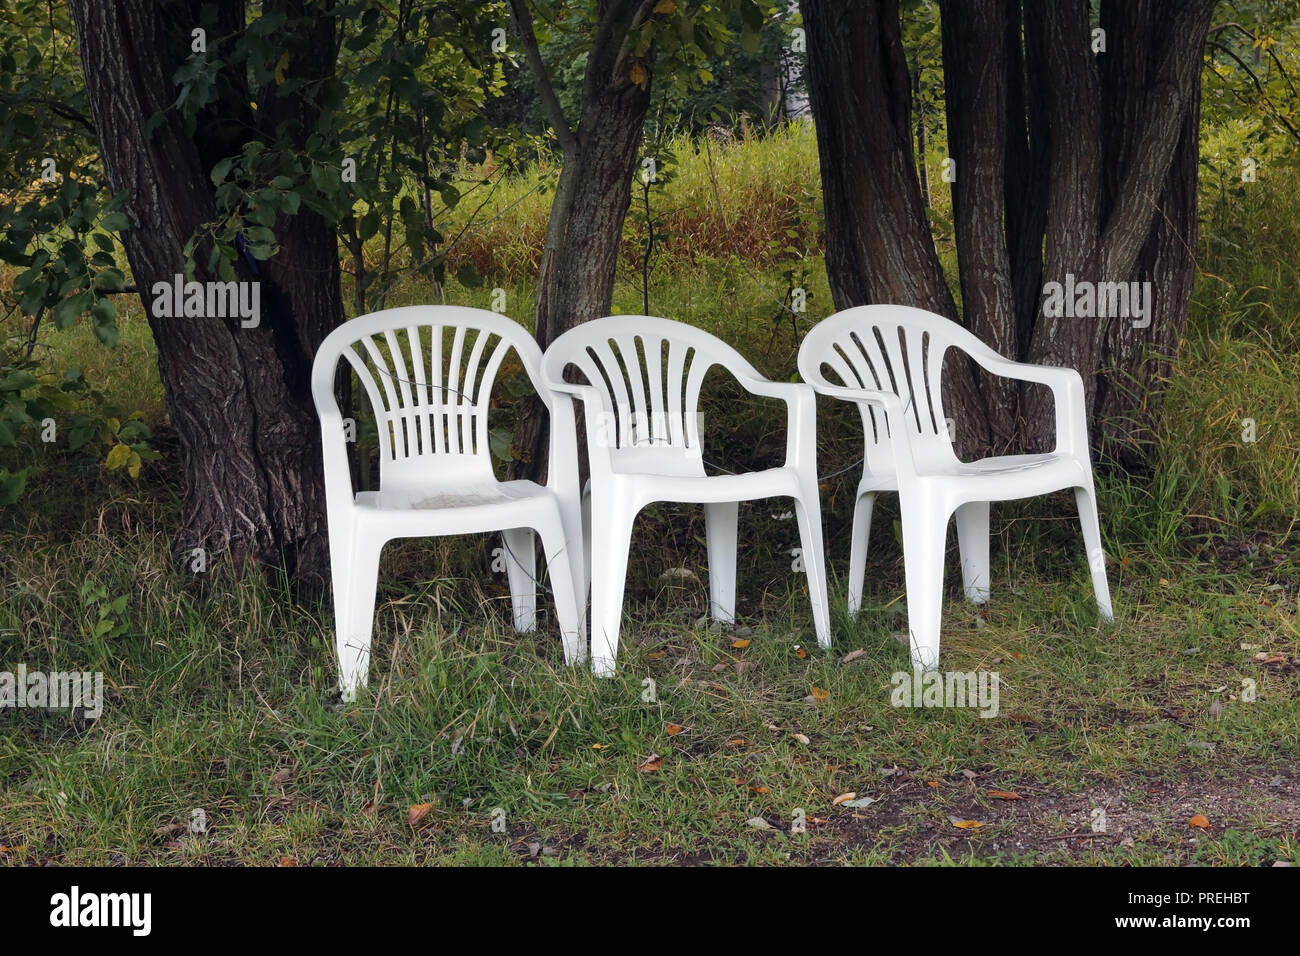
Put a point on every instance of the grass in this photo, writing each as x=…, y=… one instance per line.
x=224, y=701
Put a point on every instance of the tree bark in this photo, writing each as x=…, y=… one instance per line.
x=585, y=229
x=1068, y=162
x=239, y=398
x=878, y=242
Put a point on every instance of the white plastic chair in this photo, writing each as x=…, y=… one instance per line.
x=428, y=373
x=888, y=359
x=641, y=398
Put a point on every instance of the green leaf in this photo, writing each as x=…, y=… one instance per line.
x=115, y=222
x=500, y=440
x=79, y=435
x=66, y=312
x=103, y=319
x=222, y=170
x=369, y=225
x=110, y=280
x=11, y=485
x=17, y=380
x=468, y=276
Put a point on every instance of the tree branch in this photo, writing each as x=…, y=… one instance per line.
x=563, y=132
x=1277, y=114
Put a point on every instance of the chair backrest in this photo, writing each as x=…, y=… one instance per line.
x=888, y=348
x=428, y=372
x=649, y=372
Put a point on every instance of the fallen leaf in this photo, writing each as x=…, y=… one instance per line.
x=656, y=655
x=167, y=829
x=802, y=738
x=652, y=764
x=740, y=645
x=932, y=783
x=758, y=823
x=672, y=730
x=969, y=774
x=966, y=824
x=759, y=790
x=843, y=798
x=736, y=742
x=859, y=803
x=819, y=695
x=1164, y=582
x=799, y=652
x=417, y=812
x=288, y=861
x=852, y=656
x=1004, y=795
x=1199, y=821
x=281, y=776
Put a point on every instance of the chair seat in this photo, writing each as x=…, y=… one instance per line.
x=445, y=509
x=987, y=478
x=704, y=489
x=445, y=496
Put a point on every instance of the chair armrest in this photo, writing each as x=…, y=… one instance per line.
x=338, y=476
x=562, y=463
x=1067, y=395
x=598, y=446
x=801, y=429
x=894, y=415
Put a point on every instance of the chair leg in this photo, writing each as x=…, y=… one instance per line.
x=858, y=549
x=611, y=536
x=521, y=570
x=925, y=529
x=585, y=594
x=1086, y=500
x=973, y=540
x=354, y=613
x=808, y=509
x=559, y=567
x=720, y=522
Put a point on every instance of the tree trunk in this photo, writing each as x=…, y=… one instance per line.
x=1069, y=162
x=580, y=258
x=239, y=398
x=878, y=243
